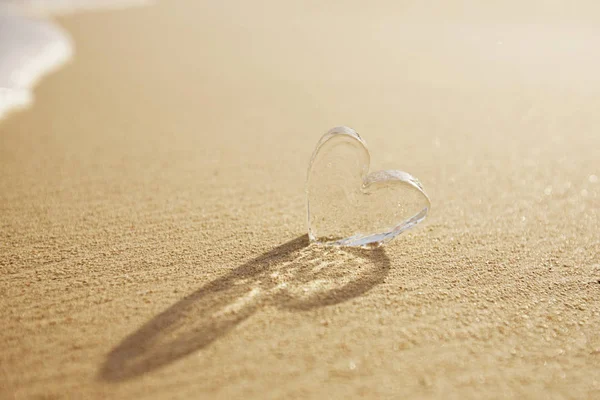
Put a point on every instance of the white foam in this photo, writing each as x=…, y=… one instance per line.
x=31, y=46
x=29, y=49
x=13, y=98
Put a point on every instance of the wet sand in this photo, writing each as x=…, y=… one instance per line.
x=152, y=208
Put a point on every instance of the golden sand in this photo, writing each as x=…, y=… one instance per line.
x=152, y=207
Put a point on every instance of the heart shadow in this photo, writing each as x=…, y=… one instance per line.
x=295, y=276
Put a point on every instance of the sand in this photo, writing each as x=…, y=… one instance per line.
x=152, y=209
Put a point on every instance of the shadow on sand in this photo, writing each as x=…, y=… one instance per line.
x=294, y=276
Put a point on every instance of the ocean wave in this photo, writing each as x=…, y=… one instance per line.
x=32, y=45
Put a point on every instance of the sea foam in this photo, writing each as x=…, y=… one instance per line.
x=32, y=45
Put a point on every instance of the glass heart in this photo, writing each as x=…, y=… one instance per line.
x=347, y=206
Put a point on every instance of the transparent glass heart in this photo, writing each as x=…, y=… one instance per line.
x=347, y=206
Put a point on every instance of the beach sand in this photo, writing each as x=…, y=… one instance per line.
x=152, y=208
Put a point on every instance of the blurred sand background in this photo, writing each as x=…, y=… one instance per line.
x=152, y=206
